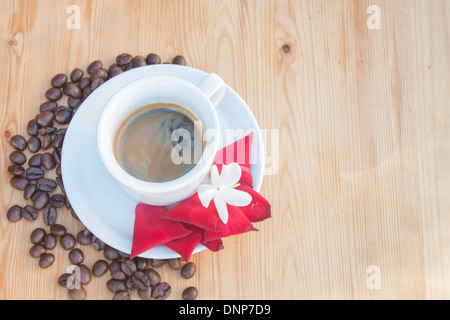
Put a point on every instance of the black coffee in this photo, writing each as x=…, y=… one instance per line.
x=157, y=143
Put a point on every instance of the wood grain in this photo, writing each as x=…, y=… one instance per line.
x=363, y=175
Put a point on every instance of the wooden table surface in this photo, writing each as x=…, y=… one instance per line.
x=360, y=195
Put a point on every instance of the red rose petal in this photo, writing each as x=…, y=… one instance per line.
x=186, y=245
x=213, y=245
x=259, y=209
x=150, y=230
x=192, y=211
x=237, y=224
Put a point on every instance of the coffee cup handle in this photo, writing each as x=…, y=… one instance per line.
x=213, y=87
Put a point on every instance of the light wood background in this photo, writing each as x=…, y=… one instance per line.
x=364, y=171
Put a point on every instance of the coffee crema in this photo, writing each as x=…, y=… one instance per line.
x=153, y=140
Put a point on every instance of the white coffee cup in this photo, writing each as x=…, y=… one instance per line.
x=200, y=100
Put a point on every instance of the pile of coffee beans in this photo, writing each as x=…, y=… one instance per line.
x=36, y=159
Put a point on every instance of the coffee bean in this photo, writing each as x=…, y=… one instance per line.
x=17, y=157
x=48, y=162
x=99, y=73
x=115, y=266
x=161, y=291
x=118, y=275
x=188, y=270
x=49, y=241
x=138, y=61
x=29, y=190
x=35, y=160
x=18, y=142
x=97, y=243
x=84, y=83
x=58, y=230
x=46, y=142
x=48, y=106
x=141, y=263
x=34, y=173
x=57, y=200
x=58, y=141
x=14, y=213
x=94, y=66
x=47, y=131
x=85, y=274
x=114, y=70
x=122, y=295
x=145, y=294
x=97, y=82
x=174, y=264
x=45, y=119
x=57, y=155
x=156, y=263
x=153, y=58
x=37, y=250
x=128, y=267
x=34, y=144
x=179, y=60
x=84, y=238
x=59, y=80
x=46, y=260
x=74, y=102
x=32, y=127
x=141, y=280
x=50, y=214
x=88, y=91
x=111, y=253
x=116, y=285
x=76, y=256
x=127, y=67
x=16, y=170
x=76, y=75
x=77, y=294
x=35, y=195
x=153, y=276
x=46, y=185
x=67, y=241
x=53, y=94
x=63, y=116
x=124, y=255
x=72, y=90
x=190, y=293
x=37, y=235
x=60, y=183
x=123, y=59
x=62, y=280
x=19, y=183
x=99, y=268
x=130, y=284
x=41, y=201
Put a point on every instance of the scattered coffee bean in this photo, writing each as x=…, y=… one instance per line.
x=99, y=268
x=84, y=238
x=37, y=250
x=97, y=82
x=153, y=58
x=161, y=291
x=123, y=59
x=50, y=214
x=84, y=83
x=46, y=185
x=14, y=213
x=46, y=142
x=59, y=80
x=128, y=267
x=116, y=285
x=46, y=260
x=122, y=295
x=60, y=183
x=37, y=235
x=153, y=276
x=141, y=280
x=67, y=241
x=88, y=91
x=179, y=60
x=188, y=270
x=35, y=160
x=76, y=256
x=72, y=90
x=141, y=263
x=18, y=142
x=45, y=119
x=48, y=106
x=111, y=253
x=48, y=161
x=57, y=155
x=17, y=157
x=53, y=94
x=41, y=201
x=124, y=255
x=74, y=102
x=114, y=70
x=57, y=200
x=174, y=264
x=34, y=173
x=32, y=127
x=58, y=230
x=35, y=195
x=58, y=141
x=62, y=280
x=50, y=241
x=97, y=243
x=63, y=116
x=47, y=131
x=99, y=73
x=156, y=263
x=190, y=293
x=145, y=294
x=34, y=144
x=127, y=67
x=85, y=274
x=77, y=294
x=129, y=284
x=16, y=170
x=94, y=66
x=138, y=61
x=19, y=183
x=76, y=75
x=118, y=275
x=29, y=213
x=29, y=190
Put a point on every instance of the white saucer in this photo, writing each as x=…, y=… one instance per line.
x=99, y=202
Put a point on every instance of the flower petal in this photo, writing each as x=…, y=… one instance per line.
x=206, y=193
x=221, y=207
x=230, y=175
x=215, y=176
x=235, y=197
x=259, y=209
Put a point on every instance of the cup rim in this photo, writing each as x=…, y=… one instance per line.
x=115, y=169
